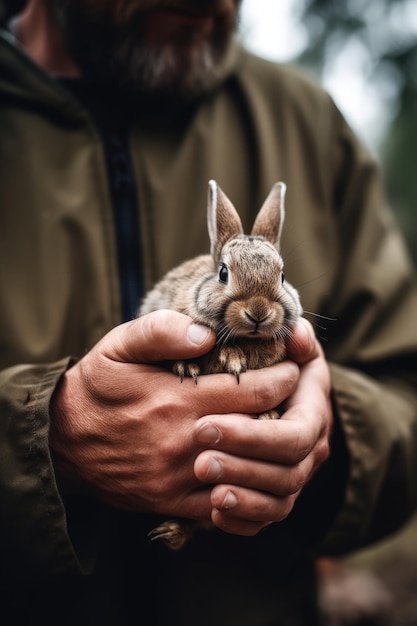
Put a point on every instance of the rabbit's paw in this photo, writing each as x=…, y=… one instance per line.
x=172, y=533
x=269, y=415
x=232, y=360
x=186, y=368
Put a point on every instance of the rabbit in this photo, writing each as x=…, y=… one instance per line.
x=239, y=290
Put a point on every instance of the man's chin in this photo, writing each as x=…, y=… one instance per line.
x=181, y=73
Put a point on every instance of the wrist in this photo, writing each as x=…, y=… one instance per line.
x=61, y=437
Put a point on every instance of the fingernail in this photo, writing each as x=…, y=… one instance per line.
x=208, y=434
x=214, y=470
x=198, y=334
x=229, y=501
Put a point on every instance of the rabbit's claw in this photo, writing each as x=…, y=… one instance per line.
x=171, y=532
x=227, y=359
x=186, y=368
x=269, y=415
x=232, y=360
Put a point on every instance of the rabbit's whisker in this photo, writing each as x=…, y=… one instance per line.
x=283, y=333
x=323, y=317
x=225, y=336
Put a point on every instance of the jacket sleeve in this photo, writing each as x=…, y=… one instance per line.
x=372, y=351
x=34, y=535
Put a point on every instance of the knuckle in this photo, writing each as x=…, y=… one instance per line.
x=222, y=521
x=263, y=509
x=302, y=444
x=297, y=478
x=266, y=396
x=154, y=324
x=323, y=450
x=284, y=509
x=161, y=323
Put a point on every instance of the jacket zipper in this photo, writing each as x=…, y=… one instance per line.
x=125, y=214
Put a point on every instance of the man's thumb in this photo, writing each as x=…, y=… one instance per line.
x=159, y=336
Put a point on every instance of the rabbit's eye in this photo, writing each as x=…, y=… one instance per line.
x=223, y=274
x=282, y=278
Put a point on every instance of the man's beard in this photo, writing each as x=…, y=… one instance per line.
x=119, y=52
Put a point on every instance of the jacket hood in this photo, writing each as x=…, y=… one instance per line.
x=23, y=83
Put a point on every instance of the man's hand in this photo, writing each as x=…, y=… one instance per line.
x=126, y=430
x=261, y=466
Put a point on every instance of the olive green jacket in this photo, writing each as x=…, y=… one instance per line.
x=60, y=293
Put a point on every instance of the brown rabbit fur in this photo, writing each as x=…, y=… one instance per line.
x=239, y=291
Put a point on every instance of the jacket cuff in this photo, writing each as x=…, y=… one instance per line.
x=33, y=517
x=378, y=422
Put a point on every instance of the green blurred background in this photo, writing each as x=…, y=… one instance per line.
x=365, y=53
x=346, y=43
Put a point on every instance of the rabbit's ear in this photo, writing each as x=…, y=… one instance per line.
x=222, y=219
x=270, y=219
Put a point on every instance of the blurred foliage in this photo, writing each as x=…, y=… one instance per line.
x=385, y=32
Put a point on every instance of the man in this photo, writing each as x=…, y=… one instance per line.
x=114, y=116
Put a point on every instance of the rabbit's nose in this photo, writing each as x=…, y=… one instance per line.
x=256, y=318
x=258, y=310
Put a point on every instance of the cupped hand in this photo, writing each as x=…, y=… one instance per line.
x=260, y=467
x=122, y=424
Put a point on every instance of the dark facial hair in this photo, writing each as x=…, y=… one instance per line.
x=114, y=48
